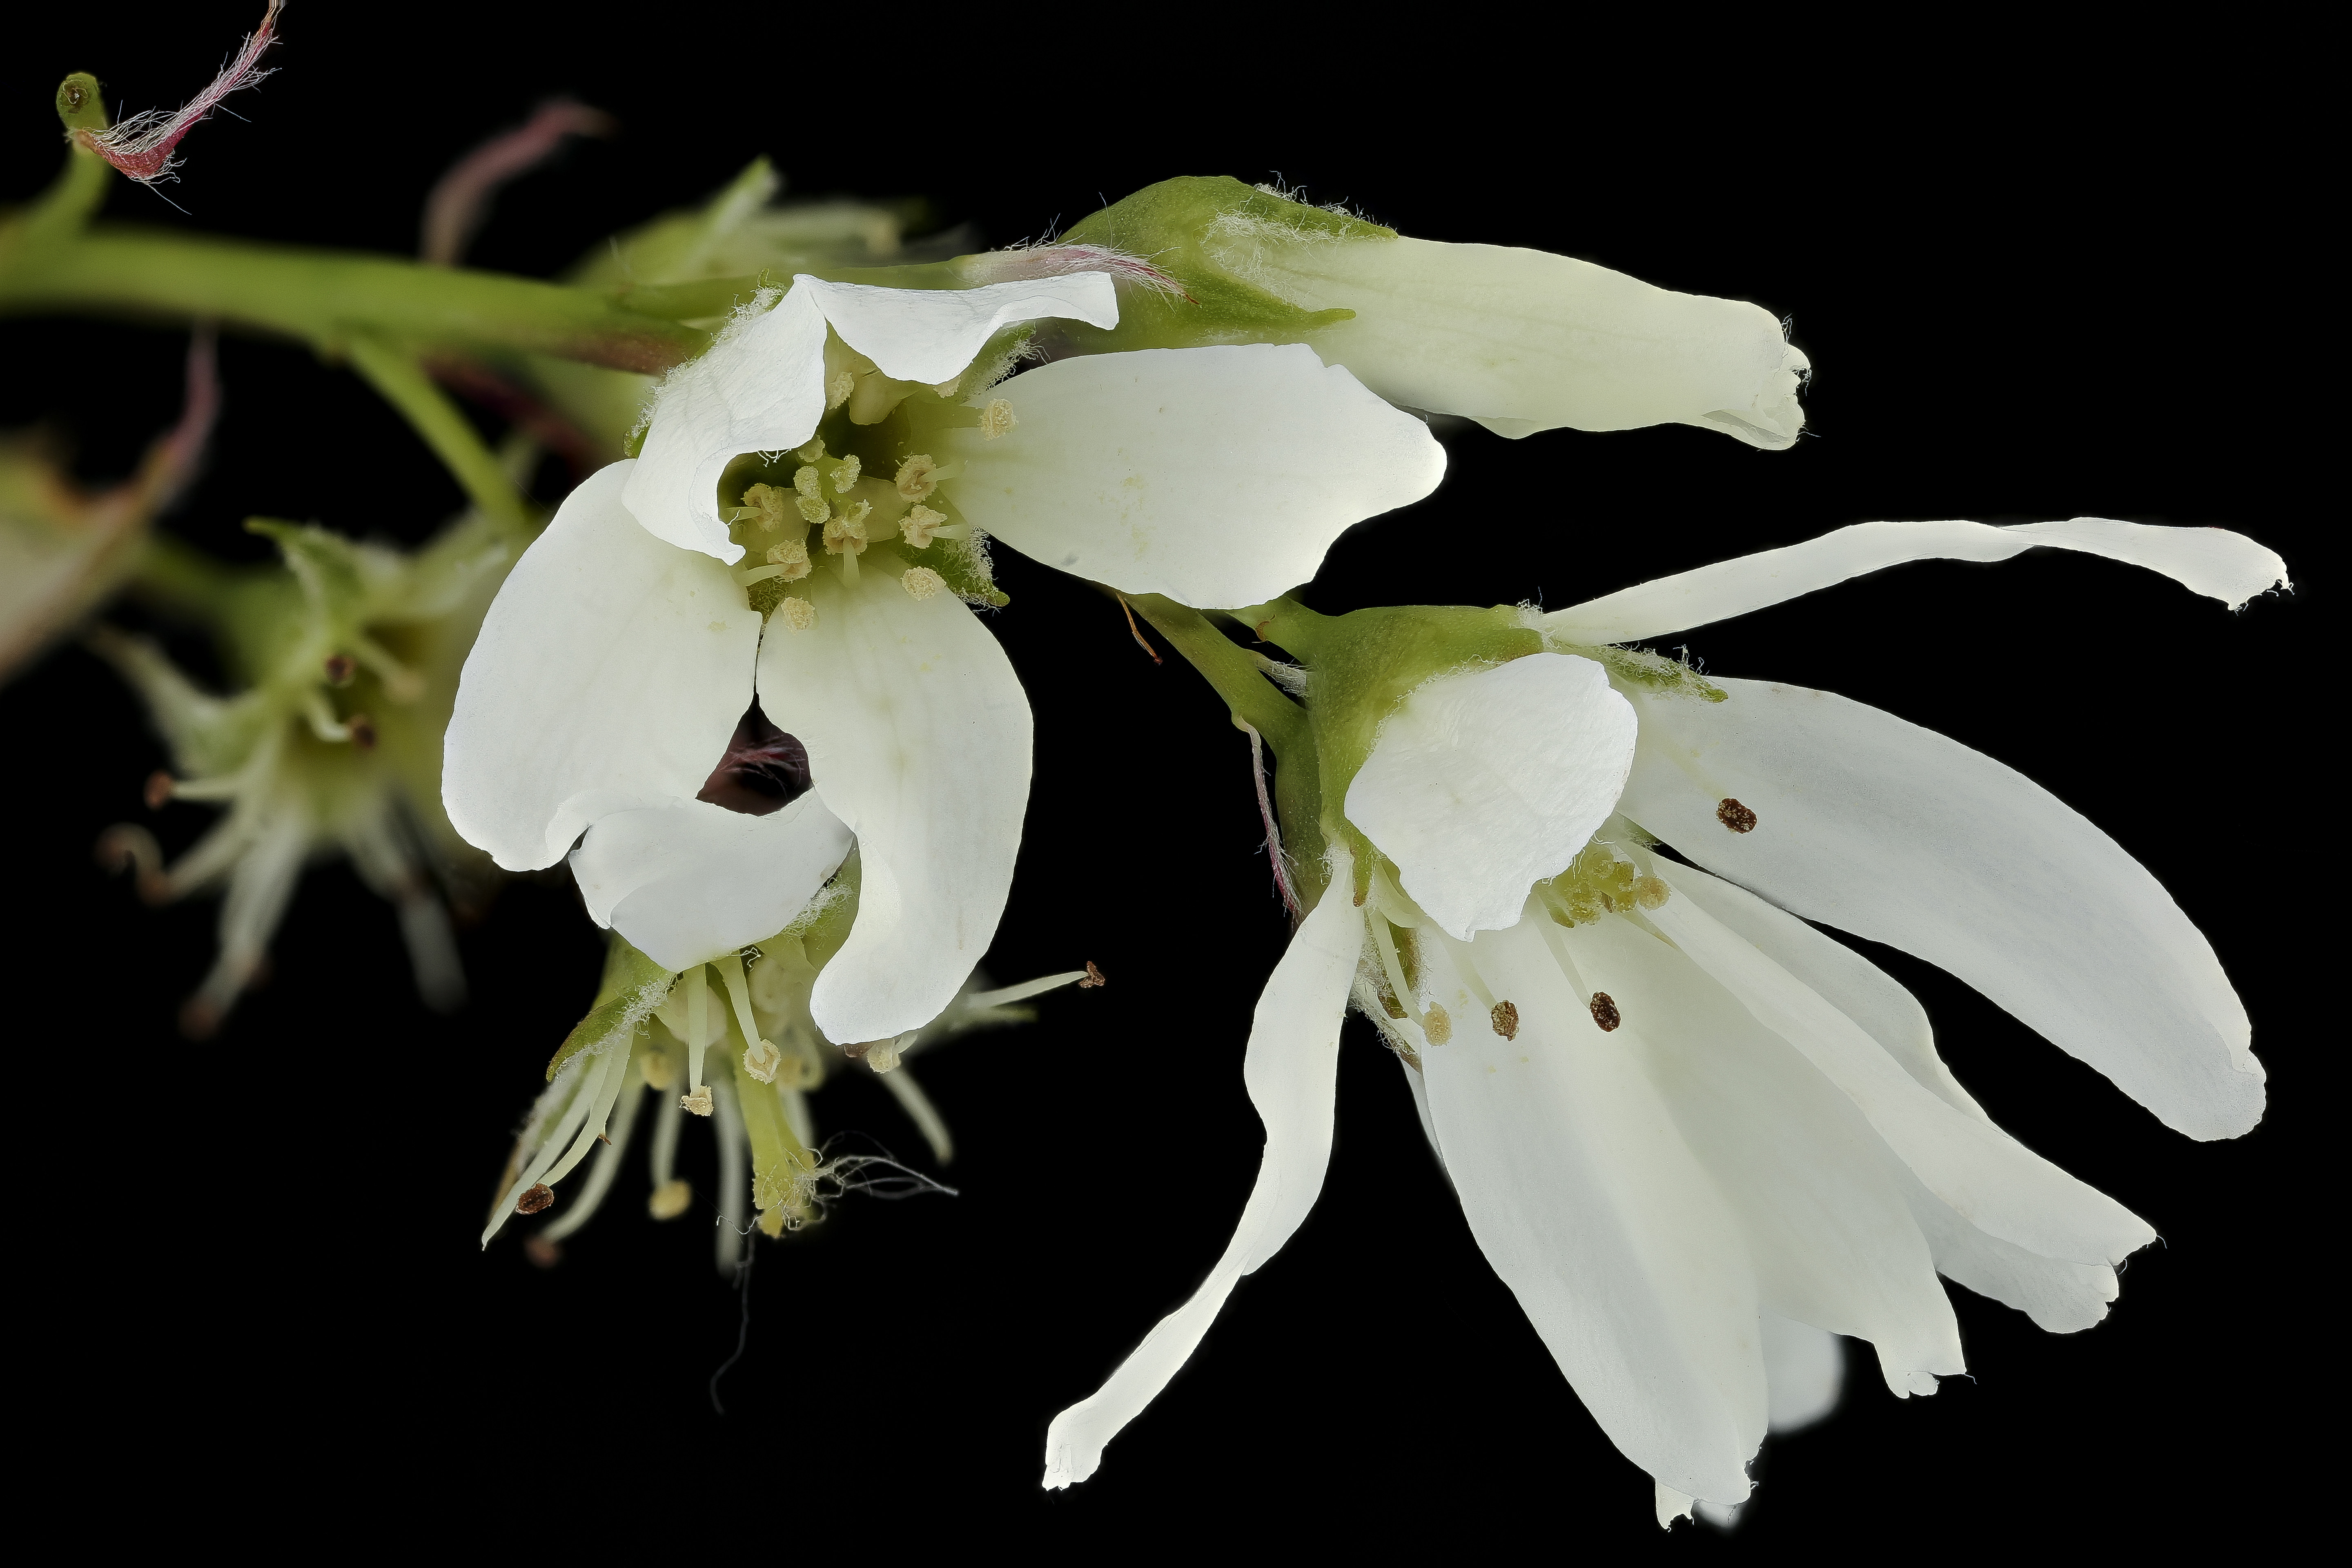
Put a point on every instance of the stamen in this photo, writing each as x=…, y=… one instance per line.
x=814, y=452
x=400, y=683
x=766, y=503
x=697, y=1038
x=797, y=612
x=671, y=1198
x=918, y=476
x=538, y=1198
x=1734, y=816
x=1465, y=965
x=845, y=532
x=1386, y=946
x=997, y=419
x=1437, y=1026
x=919, y=526
x=882, y=1056
x=845, y=474
x=340, y=668
x=1650, y=891
x=321, y=718
x=761, y=1057
x=1604, y=1012
x=921, y=583
x=1505, y=1017
x=837, y=390
x=790, y=554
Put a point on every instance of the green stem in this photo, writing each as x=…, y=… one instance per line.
x=322, y=297
x=442, y=426
x=1230, y=669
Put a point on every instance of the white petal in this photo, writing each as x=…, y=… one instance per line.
x=609, y=673
x=1896, y=833
x=1804, y=1369
x=1291, y=1071
x=917, y=734
x=1523, y=341
x=1809, y=1182
x=2060, y=1297
x=1589, y=1204
x=1986, y=1176
x=690, y=881
x=1217, y=476
x=759, y=389
x=1842, y=977
x=931, y=334
x=2209, y=561
x=1485, y=782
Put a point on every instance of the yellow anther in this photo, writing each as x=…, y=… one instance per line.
x=1650, y=891
x=660, y=1069
x=837, y=390
x=812, y=509
x=845, y=474
x=805, y=480
x=812, y=453
x=766, y=502
x=697, y=1102
x=796, y=612
x=996, y=419
x=792, y=556
x=918, y=478
x=882, y=1056
x=918, y=525
x=921, y=581
x=845, y=532
x=669, y=1200
x=1436, y=1024
x=946, y=388
x=761, y=1060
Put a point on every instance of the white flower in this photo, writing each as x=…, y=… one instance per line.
x=623, y=655
x=1694, y=1133
x=1520, y=340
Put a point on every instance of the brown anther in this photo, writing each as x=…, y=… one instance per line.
x=1604, y=1012
x=1506, y=1020
x=1734, y=816
x=859, y=1049
x=363, y=731
x=160, y=785
x=340, y=668
x=542, y=1253
x=1094, y=977
x=536, y=1199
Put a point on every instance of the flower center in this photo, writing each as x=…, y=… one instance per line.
x=763, y=770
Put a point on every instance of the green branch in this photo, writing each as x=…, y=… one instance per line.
x=442, y=426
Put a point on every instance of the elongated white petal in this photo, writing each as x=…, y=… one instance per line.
x=1987, y=1176
x=1484, y=783
x=931, y=334
x=1291, y=1071
x=1523, y=341
x=1841, y=977
x=759, y=389
x=1824, y=1222
x=1804, y=1370
x=1588, y=1201
x=1217, y=476
x=609, y=674
x=917, y=734
x=2208, y=561
x=1896, y=833
x=2062, y=1297
x=690, y=881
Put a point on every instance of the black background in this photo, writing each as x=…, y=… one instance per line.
x=2038, y=277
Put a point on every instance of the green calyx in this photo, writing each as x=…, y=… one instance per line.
x=633, y=987
x=1191, y=230
x=1363, y=665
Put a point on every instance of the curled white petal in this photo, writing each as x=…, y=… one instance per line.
x=1524, y=341
x=2208, y=561
x=931, y=334
x=609, y=673
x=1216, y=476
x=1291, y=1071
x=1485, y=782
x=1901, y=836
x=919, y=737
x=690, y=881
x=1587, y=1200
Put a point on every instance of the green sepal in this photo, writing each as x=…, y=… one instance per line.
x=1169, y=225
x=633, y=987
